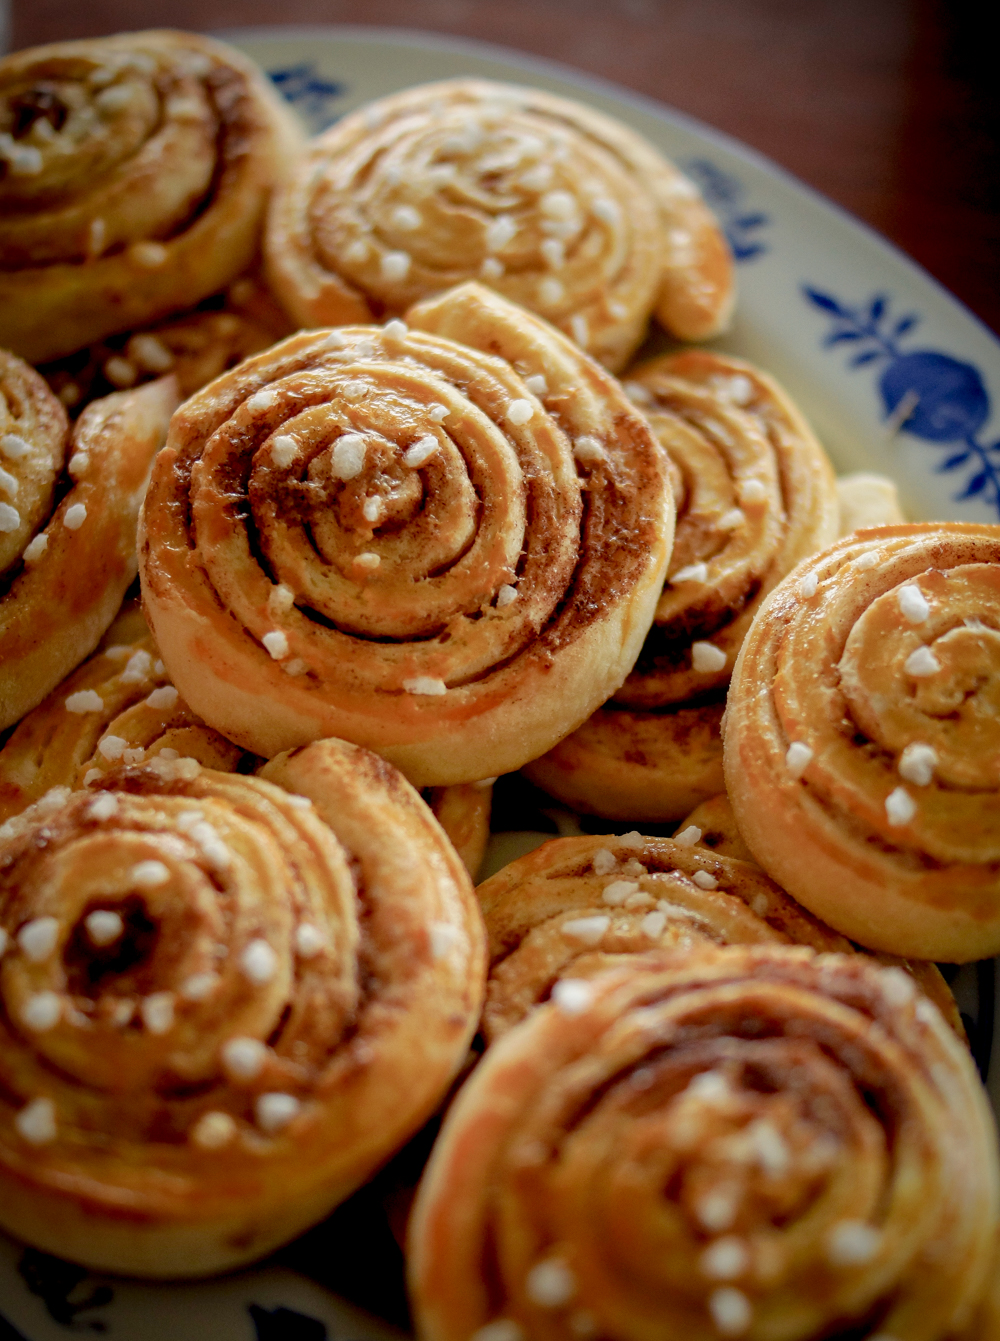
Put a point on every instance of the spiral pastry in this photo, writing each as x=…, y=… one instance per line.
x=68, y=509
x=752, y=1141
x=136, y=171
x=226, y=1001
x=195, y=347
x=447, y=552
x=863, y=738
x=577, y=906
x=556, y=206
x=755, y=494
x=118, y=707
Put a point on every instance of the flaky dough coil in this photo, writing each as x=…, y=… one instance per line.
x=137, y=171
x=558, y=207
x=749, y=1141
x=227, y=1000
x=755, y=494
x=497, y=588
x=863, y=738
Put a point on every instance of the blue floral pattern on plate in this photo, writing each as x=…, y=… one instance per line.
x=724, y=194
x=925, y=393
x=312, y=96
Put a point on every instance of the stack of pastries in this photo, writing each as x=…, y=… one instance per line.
x=717, y=1087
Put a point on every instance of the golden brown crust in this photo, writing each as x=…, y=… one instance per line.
x=884, y=680
x=754, y=1140
x=755, y=494
x=556, y=206
x=500, y=590
x=138, y=170
x=866, y=499
x=463, y=811
x=292, y=982
x=70, y=554
x=130, y=713
x=717, y=830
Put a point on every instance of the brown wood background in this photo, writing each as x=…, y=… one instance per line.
x=889, y=107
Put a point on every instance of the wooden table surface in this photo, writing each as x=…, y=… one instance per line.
x=889, y=107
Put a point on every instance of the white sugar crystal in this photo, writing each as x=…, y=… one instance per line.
x=573, y=996
x=603, y=862
x=913, y=604
x=492, y=268
x=348, y=458
x=536, y=178
x=199, y=986
x=149, y=255
x=537, y=384
x=443, y=938
x=36, y=1122
x=694, y=572
x=395, y=265
x=900, y=807
x=10, y=485
x=558, y=205
x=730, y=1310
x=437, y=413
x=426, y=686
x=85, y=700
x=164, y=697
x=75, y=516
x=588, y=448
x=579, y=329
x=280, y=599
x=150, y=353
x=706, y=658
x=808, y=586
x=309, y=940
x=917, y=763
x=633, y=839
x=150, y=874
x=725, y=1259
x=284, y=450
x=104, y=927
x=731, y=520
x=689, y=836
x=921, y=662
x=213, y=1130
x=36, y=548
x=898, y=987
x=157, y=1011
x=406, y=218
x=213, y=850
x=618, y=891
x=259, y=962
x=367, y=561
x=652, y=925
x=38, y=938
x=138, y=667
x=519, y=412
x=79, y=464
x=356, y=252
x=42, y=1011
x=243, y=1058
x=550, y=1284
x=717, y=1209
x=605, y=209
x=500, y=1329
x=798, y=757
x=506, y=595
x=551, y=291
x=553, y=252
x=91, y=776
x=14, y=447
x=499, y=232
x=869, y=559
x=274, y=1111
x=705, y=880
x=261, y=400
x=276, y=644
x=421, y=451
x=396, y=329
x=852, y=1243
x=587, y=930
x=710, y=1087
x=753, y=491
x=294, y=667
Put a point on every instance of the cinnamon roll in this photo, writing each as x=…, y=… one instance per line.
x=577, y=906
x=556, y=206
x=863, y=738
x=755, y=494
x=449, y=552
x=226, y=1001
x=749, y=1141
x=136, y=173
x=68, y=508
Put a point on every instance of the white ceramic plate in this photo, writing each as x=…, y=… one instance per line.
x=894, y=374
